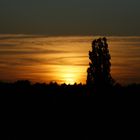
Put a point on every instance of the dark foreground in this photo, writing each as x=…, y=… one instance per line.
x=51, y=111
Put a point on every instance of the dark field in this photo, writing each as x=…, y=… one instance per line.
x=52, y=111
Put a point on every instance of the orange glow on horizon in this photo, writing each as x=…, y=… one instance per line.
x=69, y=74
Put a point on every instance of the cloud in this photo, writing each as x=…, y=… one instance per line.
x=7, y=45
x=18, y=36
x=31, y=52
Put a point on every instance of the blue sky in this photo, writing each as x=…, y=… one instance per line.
x=70, y=17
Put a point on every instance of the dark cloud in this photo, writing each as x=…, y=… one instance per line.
x=70, y=17
x=7, y=45
x=18, y=36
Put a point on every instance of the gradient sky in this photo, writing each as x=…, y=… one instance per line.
x=70, y=17
x=44, y=59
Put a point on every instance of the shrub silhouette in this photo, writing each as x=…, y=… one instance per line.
x=98, y=73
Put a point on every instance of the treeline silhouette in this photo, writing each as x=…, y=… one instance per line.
x=52, y=89
x=25, y=87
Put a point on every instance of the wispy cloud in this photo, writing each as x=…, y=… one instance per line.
x=18, y=52
x=18, y=36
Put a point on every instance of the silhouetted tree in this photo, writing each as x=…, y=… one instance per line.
x=98, y=73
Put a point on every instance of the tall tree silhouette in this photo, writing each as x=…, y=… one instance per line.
x=98, y=73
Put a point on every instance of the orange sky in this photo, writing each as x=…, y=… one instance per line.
x=64, y=59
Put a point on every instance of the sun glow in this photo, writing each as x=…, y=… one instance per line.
x=69, y=78
x=69, y=74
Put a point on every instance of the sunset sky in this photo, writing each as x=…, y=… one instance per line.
x=49, y=40
x=70, y=17
x=64, y=59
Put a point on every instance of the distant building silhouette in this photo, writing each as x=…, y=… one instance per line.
x=98, y=73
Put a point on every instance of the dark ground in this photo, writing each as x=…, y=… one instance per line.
x=51, y=111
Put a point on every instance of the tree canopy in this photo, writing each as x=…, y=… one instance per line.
x=98, y=73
